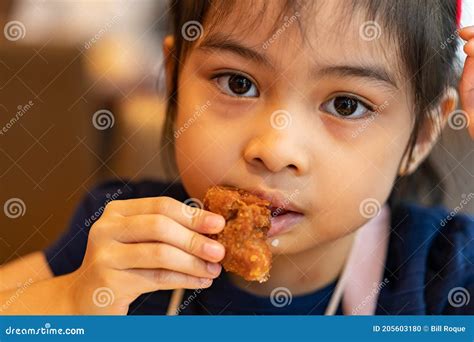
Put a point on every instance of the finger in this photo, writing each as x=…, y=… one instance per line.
x=467, y=32
x=193, y=218
x=466, y=91
x=143, y=228
x=469, y=48
x=160, y=279
x=160, y=255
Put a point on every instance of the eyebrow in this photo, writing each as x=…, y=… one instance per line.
x=369, y=72
x=219, y=42
x=373, y=73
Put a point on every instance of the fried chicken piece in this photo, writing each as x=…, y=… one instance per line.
x=247, y=223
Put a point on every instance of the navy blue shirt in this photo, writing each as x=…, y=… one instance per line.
x=429, y=268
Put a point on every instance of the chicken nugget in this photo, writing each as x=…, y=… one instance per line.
x=244, y=236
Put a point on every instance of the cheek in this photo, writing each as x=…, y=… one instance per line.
x=212, y=137
x=350, y=195
x=205, y=150
x=355, y=179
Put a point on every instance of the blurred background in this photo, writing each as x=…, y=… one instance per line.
x=82, y=101
x=79, y=104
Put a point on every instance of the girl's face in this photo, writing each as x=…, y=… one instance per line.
x=321, y=122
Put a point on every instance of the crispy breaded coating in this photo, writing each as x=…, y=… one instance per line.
x=244, y=236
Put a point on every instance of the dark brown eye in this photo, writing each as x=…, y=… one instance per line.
x=239, y=84
x=236, y=85
x=346, y=107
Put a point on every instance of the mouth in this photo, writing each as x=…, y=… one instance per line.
x=277, y=211
x=285, y=213
x=282, y=220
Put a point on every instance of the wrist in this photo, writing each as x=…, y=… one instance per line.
x=66, y=287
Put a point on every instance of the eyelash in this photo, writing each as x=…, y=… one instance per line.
x=231, y=74
x=370, y=108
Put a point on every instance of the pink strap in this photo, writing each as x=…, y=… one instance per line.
x=365, y=267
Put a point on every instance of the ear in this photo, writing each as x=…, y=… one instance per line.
x=168, y=56
x=431, y=131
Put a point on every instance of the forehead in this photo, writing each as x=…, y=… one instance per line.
x=323, y=32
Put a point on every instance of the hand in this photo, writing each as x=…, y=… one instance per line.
x=144, y=245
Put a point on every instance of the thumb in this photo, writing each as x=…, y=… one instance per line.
x=466, y=90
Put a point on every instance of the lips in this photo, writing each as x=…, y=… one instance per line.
x=285, y=213
x=283, y=220
x=276, y=211
x=280, y=203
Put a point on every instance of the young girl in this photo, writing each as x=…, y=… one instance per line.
x=321, y=107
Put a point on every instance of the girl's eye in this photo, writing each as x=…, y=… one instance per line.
x=236, y=85
x=346, y=107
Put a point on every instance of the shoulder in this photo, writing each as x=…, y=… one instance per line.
x=431, y=257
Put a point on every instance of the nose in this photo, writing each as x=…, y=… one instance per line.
x=276, y=149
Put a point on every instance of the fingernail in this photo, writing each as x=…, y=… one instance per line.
x=205, y=282
x=213, y=250
x=214, y=221
x=213, y=268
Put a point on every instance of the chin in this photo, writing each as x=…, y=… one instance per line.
x=292, y=242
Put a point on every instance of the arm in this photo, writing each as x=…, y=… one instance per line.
x=47, y=297
x=29, y=279
x=24, y=270
x=133, y=248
